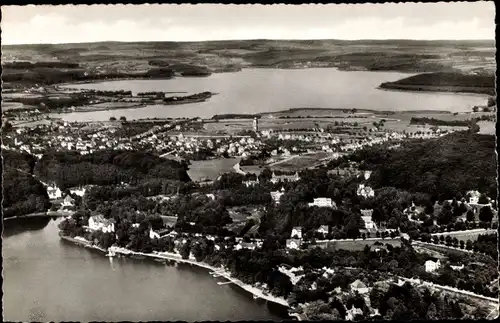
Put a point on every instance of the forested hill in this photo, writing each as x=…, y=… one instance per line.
x=109, y=167
x=447, y=82
x=21, y=161
x=454, y=163
x=22, y=193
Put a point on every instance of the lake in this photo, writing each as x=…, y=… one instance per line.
x=47, y=279
x=269, y=90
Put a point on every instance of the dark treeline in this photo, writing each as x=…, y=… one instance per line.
x=235, y=116
x=110, y=93
x=22, y=193
x=438, y=122
x=27, y=65
x=108, y=167
x=198, y=96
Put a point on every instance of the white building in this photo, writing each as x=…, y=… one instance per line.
x=80, y=191
x=458, y=268
x=153, y=235
x=293, y=243
x=359, y=286
x=365, y=191
x=251, y=183
x=54, y=192
x=369, y=224
x=276, y=196
x=281, y=178
x=245, y=245
x=367, y=174
x=297, y=231
x=323, y=229
x=474, y=197
x=323, y=202
x=68, y=201
x=431, y=266
x=98, y=222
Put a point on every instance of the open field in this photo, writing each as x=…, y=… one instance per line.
x=357, y=245
x=487, y=127
x=466, y=235
x=296, y=163
x=200, y=170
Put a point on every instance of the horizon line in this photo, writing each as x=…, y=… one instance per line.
x=254, y=39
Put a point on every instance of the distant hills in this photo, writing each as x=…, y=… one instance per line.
x=414, y=56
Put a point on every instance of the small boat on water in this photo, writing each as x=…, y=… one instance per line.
x=255, y=297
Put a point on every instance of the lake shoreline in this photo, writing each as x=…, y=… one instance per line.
x=173, y=257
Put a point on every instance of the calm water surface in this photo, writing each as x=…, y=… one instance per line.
x=267, y=90
x=46, y=279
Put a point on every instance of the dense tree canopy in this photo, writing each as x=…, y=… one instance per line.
x=71, y=169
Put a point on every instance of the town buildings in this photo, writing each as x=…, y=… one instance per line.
x=282, y=178
x=323, y=202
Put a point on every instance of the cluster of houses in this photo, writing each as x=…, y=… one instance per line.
x=66, y=136
x=182, y=144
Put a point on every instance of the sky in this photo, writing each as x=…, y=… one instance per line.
x=166, y=22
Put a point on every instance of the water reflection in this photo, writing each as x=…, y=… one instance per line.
x=13, y=227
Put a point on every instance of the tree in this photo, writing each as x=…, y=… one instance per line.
x=470, y=216
x=468, y=245
x=445, y=216
x=112, y=119
x=462, y=244
x=486, y=214
x=429, y=209
x=376, y=296
x=123, y=118
x=431, y=312
x=483, y=199
x=378, y=216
